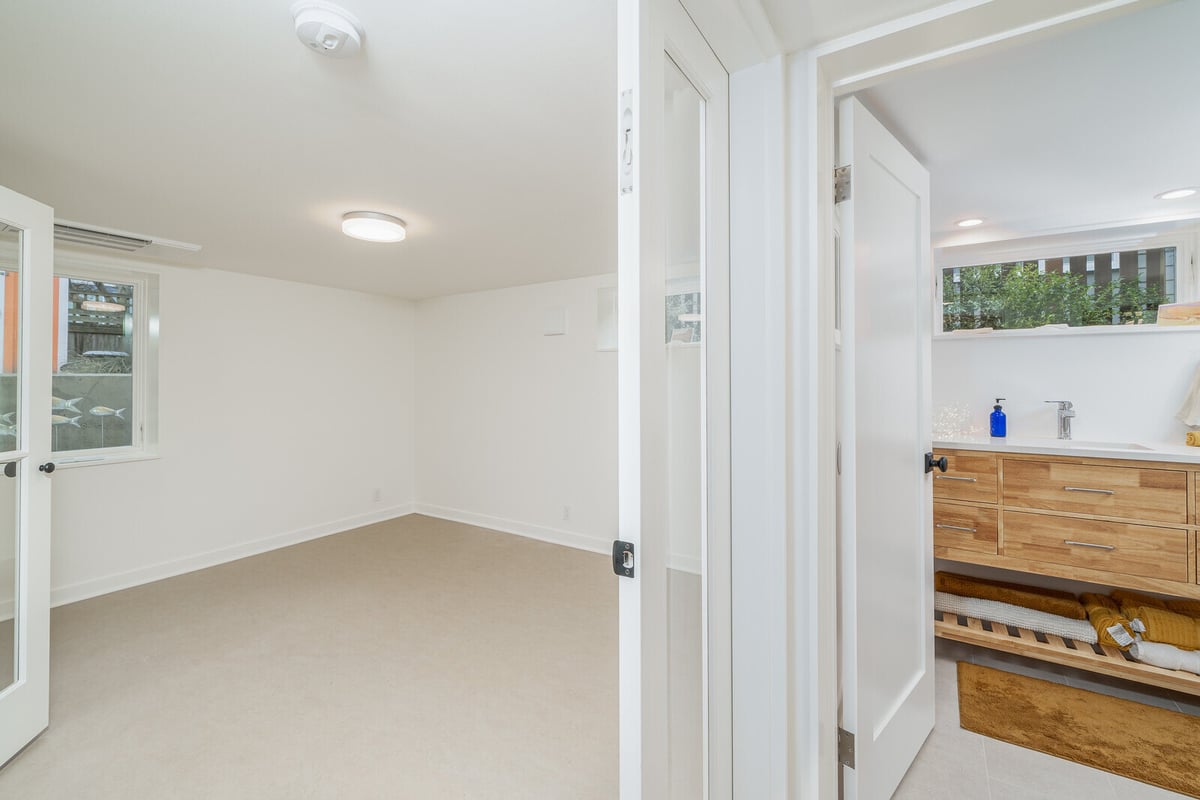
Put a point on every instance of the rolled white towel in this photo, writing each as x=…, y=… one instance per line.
x=1167, y=656
x=1018, y=616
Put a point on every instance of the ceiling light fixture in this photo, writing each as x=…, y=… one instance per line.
x=969, y=223
x=371, y=226
x=1175, y=194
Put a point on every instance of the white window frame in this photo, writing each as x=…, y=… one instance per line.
x=1187, y=281
x=144, y=419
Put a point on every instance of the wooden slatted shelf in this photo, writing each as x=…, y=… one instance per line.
x=1099, y=658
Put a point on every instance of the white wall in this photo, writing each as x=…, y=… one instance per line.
x=283, y=407
x=1125, y=386
x=515, y=425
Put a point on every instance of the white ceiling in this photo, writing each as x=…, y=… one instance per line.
x=1077, y=131
x=485, y=125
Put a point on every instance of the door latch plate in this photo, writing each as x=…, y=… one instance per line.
x=623, y=561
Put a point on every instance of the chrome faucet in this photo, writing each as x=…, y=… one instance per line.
x=1066, y=412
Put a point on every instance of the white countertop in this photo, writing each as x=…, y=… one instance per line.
x=1132, y=451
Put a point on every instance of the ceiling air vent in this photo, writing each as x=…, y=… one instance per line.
x=113, y=239
x=97, y=238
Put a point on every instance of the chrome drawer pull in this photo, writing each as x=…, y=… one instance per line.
x=953, y=478
x=1089, y=544
x=956, y=528
x=1089, y=491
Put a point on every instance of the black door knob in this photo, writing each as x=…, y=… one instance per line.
x=940, y=463
x=47, y=468
x=10, y=469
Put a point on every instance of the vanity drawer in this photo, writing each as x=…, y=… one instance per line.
x=1131, y=492
x=1119, y=547
x=964, y=527
x=969, y=476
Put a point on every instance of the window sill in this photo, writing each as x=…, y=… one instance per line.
x=75, y=461
x=1095, y=330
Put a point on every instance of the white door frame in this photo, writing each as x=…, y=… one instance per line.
x=783, y=402
x=818, y=76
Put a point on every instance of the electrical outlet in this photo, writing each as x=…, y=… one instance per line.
x=377, y=495
x=566, y=513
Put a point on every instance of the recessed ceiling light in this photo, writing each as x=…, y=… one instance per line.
x=371, y=226
x=969, y=223
x=1175, y=194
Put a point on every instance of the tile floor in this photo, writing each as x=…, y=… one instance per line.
x=956, y=764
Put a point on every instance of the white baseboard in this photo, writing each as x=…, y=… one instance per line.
x=579, y=541
x=62, y=595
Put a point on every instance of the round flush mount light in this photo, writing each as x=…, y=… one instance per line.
x=327, y=29
x=1175, y=194
x=969, y=223
x=371, y=226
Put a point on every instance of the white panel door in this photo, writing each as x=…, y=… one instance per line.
x=26, y=266
x=886, y=511
x=673, y=389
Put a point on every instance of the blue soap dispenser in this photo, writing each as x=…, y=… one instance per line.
x=999, y=421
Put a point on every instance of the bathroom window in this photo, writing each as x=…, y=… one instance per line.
x=104, y=363
x=1098, y=289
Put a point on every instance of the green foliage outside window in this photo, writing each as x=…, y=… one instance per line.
x=1010, y=296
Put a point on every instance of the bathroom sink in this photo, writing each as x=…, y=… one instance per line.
x=1074, y=445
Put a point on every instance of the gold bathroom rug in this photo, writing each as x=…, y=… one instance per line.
x=1142, y=742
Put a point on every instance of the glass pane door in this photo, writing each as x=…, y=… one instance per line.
x=683, y=133
x=10, y=438
x=26, y=258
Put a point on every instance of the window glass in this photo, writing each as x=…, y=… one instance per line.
x=94, y=360
x=1119, y=288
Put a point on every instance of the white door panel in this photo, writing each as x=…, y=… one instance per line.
x=673, y=405
x=886, y=546
x=26, y=258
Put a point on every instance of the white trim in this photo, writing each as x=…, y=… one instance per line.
x=578, y=541
x=1086, y=330
x=852, y=82
x=894, y=26
x=95, y=587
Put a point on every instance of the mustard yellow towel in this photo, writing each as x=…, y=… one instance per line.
x=1050, y=601
x=1167, y=627
x=1193, y=438
x=1189, y=608
x=1088, y=599
x=1125, y=598
x=1103, y=614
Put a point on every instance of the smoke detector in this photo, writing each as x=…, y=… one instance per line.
x=327, y=29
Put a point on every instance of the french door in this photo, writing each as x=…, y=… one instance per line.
x=26, y=267
x=673, y=399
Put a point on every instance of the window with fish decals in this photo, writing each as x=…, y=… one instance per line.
x=100, y=344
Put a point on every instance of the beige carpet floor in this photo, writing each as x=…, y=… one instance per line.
x=415, y=658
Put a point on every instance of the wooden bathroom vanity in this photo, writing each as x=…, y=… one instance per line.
x=1121, y=522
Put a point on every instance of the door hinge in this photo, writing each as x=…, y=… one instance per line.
x=841, y=184
x=845, y=748
x=626, y=133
